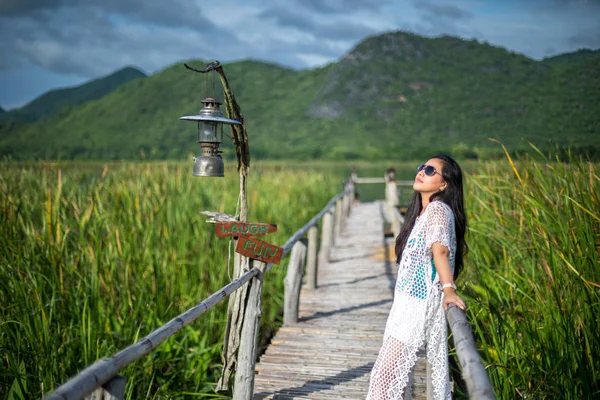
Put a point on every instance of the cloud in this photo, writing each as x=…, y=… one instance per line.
x=95, y=39
x=433, y=19
x=588, y=37
x=441, y=11
x=342, y=6
x=342, y=30
x=286, y=18
x=14, y=8
x=172, y=13
x=89, y=38
x=537, y=26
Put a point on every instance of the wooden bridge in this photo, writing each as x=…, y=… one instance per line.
x=333, y=323
x=329, y=352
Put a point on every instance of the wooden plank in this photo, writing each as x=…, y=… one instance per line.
x=235, y=229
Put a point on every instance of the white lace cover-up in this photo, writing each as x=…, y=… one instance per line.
x=417, y=316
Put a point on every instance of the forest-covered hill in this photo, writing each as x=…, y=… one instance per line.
x=395, y=96
x=53, y=101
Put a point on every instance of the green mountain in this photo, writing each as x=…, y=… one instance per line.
x=2, y=110
x=51, y=102
x=395, y=96
x=571, y=58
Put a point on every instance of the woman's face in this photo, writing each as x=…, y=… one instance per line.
x=426, y=184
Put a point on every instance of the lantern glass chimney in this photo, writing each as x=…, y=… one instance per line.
x=208, y=132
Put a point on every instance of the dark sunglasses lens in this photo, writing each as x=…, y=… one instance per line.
x=429, y=170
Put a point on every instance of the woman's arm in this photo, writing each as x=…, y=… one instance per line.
x=442, y=266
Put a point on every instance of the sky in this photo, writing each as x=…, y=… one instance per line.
x=46, y=44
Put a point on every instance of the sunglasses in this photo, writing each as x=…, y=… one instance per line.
x=428, y=169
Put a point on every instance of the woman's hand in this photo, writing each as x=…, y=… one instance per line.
x=450, y=297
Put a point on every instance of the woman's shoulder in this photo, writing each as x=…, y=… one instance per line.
x=439, y=207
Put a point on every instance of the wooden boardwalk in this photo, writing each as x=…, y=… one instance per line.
x=329, y=353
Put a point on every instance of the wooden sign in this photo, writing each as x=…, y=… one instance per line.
x=258, y=250
x=225, y=229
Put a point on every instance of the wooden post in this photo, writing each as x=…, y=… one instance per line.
x=396, y=221
x=326, y=237
x=391, y=192
x=243, y=387
x=345, y=208
x=351, y=189
x=293, y=282
x=111, y=390
x=338, y=220
x=311, y=262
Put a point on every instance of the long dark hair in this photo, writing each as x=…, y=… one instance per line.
x=452, y=196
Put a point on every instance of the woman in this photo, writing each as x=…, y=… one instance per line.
x=429, y=251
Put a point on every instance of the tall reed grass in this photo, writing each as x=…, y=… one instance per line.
x=533, y=276
x=94, y=257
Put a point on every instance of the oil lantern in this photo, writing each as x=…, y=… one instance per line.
x=210, y=122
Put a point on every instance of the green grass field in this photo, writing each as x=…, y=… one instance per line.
x=93, y=257
x=533, y=277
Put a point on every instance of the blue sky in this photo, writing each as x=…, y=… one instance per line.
x=47, y=44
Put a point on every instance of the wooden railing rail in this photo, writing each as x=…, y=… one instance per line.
x=478, y=382
x=381, y=180
x=103, y=373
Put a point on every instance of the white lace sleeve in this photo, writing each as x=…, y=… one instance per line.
x=439, y=224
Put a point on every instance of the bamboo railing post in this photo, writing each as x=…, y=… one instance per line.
x=396, y=221
x=293, y=282
x=473, y=371
x=243, y=387
x=345, y=205
x=350, y=191
x=338, y=221
x=391, y=190
x=326, y=237
x=311, y=258
x=111, y=390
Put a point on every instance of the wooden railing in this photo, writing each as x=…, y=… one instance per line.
x=101, y=379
